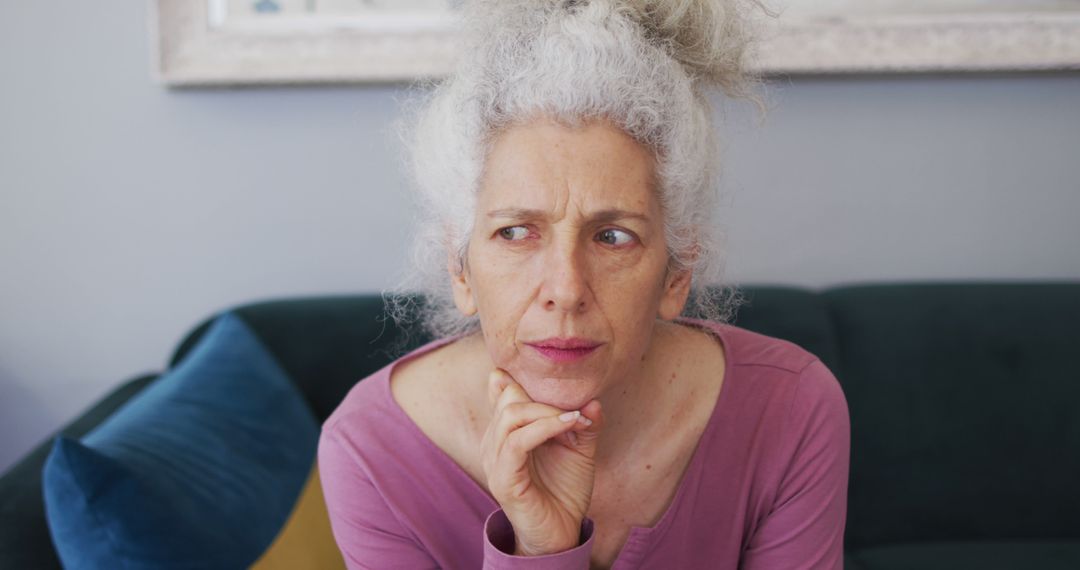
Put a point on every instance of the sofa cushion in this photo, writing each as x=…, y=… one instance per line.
x=223, y=437
x=326, y=343
x=306, y=540
x=24, y=535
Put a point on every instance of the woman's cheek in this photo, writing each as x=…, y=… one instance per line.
x=500, y=318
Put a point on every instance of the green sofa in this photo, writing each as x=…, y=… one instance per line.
x=964, y=400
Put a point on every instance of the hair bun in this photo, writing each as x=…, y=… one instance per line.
x=711, y=38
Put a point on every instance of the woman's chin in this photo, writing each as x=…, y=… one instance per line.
x=559, y=392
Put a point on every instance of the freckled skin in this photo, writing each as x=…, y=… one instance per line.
x=559, y=272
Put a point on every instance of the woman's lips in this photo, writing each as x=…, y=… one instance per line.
x=561, y=355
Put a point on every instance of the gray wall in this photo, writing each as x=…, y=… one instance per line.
x=129, y=212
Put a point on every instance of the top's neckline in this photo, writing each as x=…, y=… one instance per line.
x=637, y=533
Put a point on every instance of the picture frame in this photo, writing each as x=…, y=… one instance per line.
x=201, y=43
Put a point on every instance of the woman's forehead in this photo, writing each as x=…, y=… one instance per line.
x=597, y=200
x=543, y=151
x=544, y=170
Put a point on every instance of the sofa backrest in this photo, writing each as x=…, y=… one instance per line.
x=965, y=410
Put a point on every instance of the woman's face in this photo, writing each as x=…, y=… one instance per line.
x=568, y=243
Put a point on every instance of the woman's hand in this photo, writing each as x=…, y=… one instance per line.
x=539, y=466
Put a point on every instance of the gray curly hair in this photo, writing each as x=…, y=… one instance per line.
x=641, y=64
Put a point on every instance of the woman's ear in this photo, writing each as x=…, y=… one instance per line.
x=459, y=282
x=676, y=291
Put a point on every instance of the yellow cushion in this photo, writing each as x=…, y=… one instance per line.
x=305, y=541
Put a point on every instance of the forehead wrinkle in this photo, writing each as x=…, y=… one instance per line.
x=605, y=215
x=562, y=199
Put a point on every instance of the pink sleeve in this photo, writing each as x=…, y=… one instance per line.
x=499, y=548
x=805, y=528
x=367, y=532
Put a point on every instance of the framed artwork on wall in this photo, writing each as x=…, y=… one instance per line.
x=251, y=42
x=852, y=36
x=208, y=42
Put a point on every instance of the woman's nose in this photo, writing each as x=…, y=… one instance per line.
x=566, y=285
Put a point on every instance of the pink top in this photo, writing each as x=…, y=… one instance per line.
x=766, y=487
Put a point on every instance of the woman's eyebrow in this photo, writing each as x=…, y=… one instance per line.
x=602, y=216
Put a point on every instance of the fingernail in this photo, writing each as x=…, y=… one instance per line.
x=570, y=416
x=585, y=420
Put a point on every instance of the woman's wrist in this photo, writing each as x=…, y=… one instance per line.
x=524, y=548
x=520, y=550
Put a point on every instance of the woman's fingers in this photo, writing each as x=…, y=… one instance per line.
x=506, y=474
x=517, y=415
x=537, y=483
x=513, y=410
x=523, y=440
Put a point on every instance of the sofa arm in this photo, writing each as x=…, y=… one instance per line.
x=24, y=534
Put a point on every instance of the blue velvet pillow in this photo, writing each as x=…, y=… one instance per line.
x=199, y=470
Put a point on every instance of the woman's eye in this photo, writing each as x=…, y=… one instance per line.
x=615, y=237
x=514, y=233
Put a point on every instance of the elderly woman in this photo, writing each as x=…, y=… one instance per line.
x=571, y=413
